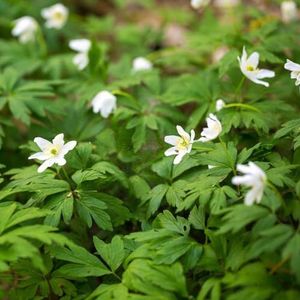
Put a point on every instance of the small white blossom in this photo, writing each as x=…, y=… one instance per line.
x=226, y=3
x=253, y=177
x=52, y=153
x=249, y=67
x=196, y=4
x=104, y=103
x=220, y=104
x=295, y=70
x=141, y=64
x=56, y=15
x=211, y=167
x=25, y=29
x=213, y=129
x=182, y=144
x=82, y=46
x=289, y=11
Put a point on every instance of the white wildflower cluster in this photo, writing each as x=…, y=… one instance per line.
x=182, y=144
x=105, y=102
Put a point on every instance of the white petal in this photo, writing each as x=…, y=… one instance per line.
x=291, y=66
x=58, y=140
x=243, y=168
x=250, y=197
x=183, y=133
x=39, y=156
x=179, y=158
x=42, y=143
x=219, y=104
x=68, y=147
x=81, y=60
x=263, y=73
x=172, y=139
x=248, y=180
x=141, y=64
x=46, y=164
x=261, y=82
x=171, y=151
x=60, y=161
x=253, y=60
x=80, y=45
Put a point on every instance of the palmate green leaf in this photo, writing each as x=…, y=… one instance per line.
x=110, y=292
x=61, y=206
x=145, y=277
x=154, y=198
x=191, y=88
x=169, y=241
x=201, y=190
x=211, y=286
x=81, y=263
x=23, y=97
x=270, y=240
x=254, y=283
x=291, y=253
x=290, y=128
x=28, y=180
x=28, y=60
x=113, y=254
x=238, y=216
x=197, y=217
x=17, y=241
x=44, y=283
x=92, y=209
x=101, y=171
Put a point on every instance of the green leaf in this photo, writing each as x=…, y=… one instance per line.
x=113, y=254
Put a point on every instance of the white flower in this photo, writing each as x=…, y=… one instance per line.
x=213, y=130
x=56, y=16
x=52, y=153
x=289, y=11
x=295, y=70
x=82, y=46
x=141, y=64
x=220, y=104
x=249, y=67
x=182, y=144
x=105, y=103
x=226, y=3
x=211, y=167
x=25, y=28
x=196, y=4
x=255, y=178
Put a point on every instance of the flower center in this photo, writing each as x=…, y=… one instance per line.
x=58, y=16
x=182, y=143
x=53, y=151
x=250, y=68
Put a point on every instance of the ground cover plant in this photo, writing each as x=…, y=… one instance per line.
x=150, y=150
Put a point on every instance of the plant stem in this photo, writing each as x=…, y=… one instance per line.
x=67, y=176
x=237, y=92
x=247, y=106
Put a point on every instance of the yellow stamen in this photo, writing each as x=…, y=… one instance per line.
x=250, y=68
x=53, y=151
x=182, y=143
x=58, y=16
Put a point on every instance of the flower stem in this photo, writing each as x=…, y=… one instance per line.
x=67, y=176
x=41, y=42
x=238, y=90
x=241, y=105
